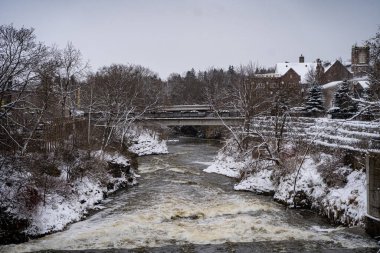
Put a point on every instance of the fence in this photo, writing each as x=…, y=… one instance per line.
x=332, y=133
x=59, y=133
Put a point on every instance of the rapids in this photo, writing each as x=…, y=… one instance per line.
x=177, y=204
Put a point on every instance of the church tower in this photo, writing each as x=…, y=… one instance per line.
x=360, y=60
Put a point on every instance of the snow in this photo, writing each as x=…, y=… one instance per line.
x=309, y=181
x=345, y=134
x=114, y=157
x=344, y=204
x=227, y=162
x=73, y=199
x=331, y=85
x=364, y=84
x=348, y=205
x=329, y=66
x=225, y=166
x=60, y=211
x=147, y=143
x=259, y=182
x=301, y=68
x=77, y=113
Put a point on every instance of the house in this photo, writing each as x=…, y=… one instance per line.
x=275, y=84
x=289, y=80
x=336, y=72
x=301, y=68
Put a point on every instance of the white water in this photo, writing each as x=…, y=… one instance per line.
x=177, y=203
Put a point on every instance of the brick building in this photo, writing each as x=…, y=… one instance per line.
x=286, y=85
x=336, y=72
x=360, y=60
x=355, y=74
x=291, y=79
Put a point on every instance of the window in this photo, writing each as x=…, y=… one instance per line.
x=362, y=57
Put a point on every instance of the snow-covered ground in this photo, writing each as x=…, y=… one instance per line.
x=259, y=182
x=344, y=204
x=62, y=202
x=145, y=142
x=60, y=211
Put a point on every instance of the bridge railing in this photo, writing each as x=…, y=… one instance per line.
x=191, y=114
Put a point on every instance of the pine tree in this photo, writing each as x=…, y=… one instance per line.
x=343, y=99
x=314, y=101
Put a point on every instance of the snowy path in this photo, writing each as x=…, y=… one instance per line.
x=177, y=203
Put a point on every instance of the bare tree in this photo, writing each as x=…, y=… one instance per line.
x=374, y=73
x=72, y=69
x=119, y=95
x=20, y=56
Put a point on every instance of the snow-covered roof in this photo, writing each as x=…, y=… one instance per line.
x=364, y=84
x=360, y=78
x=300, y=68
x=346, y=64
x=331, y=84
x=329, y=66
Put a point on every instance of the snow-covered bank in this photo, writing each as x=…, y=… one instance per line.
x=145, y=142
x=259, y=182
x=335, y=190
x=59, y=201
x=64, y=186
x=60, y=211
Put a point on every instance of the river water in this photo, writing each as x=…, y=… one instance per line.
x=179, y=208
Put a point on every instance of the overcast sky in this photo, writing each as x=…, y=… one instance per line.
x=173, y=36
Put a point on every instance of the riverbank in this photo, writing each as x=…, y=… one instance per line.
x=323, y=183
x=71, y=187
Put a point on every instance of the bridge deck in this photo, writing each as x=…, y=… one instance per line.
x=176, y=108
x=193, y=121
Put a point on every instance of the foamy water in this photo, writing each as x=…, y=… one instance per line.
x=177, y=203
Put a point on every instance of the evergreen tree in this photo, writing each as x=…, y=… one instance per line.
x=343, y=99
x=314, y=101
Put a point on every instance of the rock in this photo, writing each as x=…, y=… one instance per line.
x=11, y=229
x=180, y=215
x=301, y=200
x=110, y=186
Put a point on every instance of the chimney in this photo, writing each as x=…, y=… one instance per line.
x=301, y=59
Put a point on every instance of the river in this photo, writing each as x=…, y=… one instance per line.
x=179, y=208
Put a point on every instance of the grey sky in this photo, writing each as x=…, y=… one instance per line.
x=173, y=35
